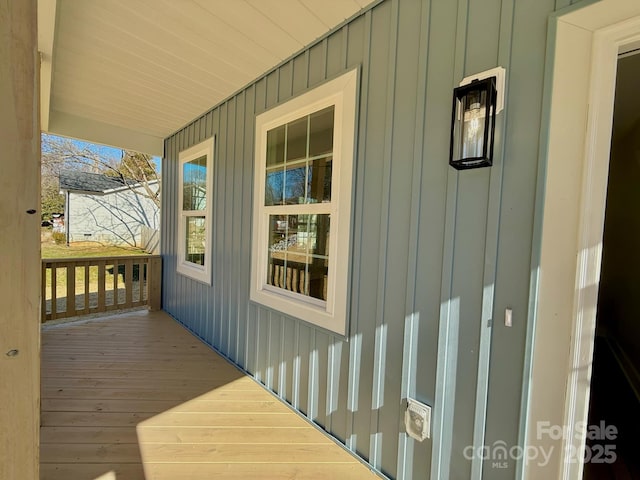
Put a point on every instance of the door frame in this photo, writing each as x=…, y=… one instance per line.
x=584, y=43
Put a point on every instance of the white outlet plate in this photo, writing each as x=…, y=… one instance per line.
x=417, y=420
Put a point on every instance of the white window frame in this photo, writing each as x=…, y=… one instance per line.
x=342, y=93
x=201, y=273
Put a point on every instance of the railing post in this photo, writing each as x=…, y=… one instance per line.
x=154, y=295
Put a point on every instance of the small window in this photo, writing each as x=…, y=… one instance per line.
x=194, y=207
x=302, y=209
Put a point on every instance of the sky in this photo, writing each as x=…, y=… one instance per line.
x=105, y=151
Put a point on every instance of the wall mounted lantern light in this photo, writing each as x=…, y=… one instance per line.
x=476, y=102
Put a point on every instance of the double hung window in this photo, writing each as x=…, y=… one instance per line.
x=302, y=209
x=194, y=210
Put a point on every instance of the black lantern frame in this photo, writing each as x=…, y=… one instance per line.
x=473, y=122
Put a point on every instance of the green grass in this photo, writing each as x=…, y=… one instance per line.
x=81, y=250
x=86, y=249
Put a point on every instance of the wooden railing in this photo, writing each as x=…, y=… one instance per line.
x=80, y=286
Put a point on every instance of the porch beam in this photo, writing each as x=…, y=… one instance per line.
x=46, y=35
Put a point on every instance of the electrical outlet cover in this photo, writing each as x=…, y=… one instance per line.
x=417, y=420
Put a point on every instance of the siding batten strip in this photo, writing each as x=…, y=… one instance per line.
x=412, y=321
x=375, y=447
x=345, y=47
x=247, y=166
x=230, y=238
x=443, y=414
x=295, y=390
x=282, y=366
x=236, y=220
x=491, y=249
x=355, y=350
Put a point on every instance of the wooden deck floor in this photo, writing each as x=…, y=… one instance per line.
x=136, y=396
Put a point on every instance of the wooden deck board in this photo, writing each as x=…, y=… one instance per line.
x=135, y=396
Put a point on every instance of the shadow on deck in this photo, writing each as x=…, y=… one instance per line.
x=136, y=396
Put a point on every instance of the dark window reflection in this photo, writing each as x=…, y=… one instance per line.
x=275, y=146
x=321, y=132
x=297, y=139
x=319, y=180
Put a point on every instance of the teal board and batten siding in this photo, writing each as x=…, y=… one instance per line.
x=436, y=255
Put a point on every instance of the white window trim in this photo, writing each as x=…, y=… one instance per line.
x=332, y=314
x=201, y=273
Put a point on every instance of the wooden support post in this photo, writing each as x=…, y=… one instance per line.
x=154, y=283
x=19, y=242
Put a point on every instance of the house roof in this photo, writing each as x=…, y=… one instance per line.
x=130, y=73
x=88, y=182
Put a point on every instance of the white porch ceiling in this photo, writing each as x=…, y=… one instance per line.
x=128, y=73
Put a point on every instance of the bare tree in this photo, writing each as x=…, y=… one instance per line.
x=133, y=168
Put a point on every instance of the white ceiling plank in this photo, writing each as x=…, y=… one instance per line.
x=254, y=26
x=106, y=134
x=364, y=3
x=199, y=88
x=208, y=32
x=115, y=40
x=147, y=67
x=128, y=79
x=331, y=12
x=186, y=33
x=123, y=110
x=298, y=21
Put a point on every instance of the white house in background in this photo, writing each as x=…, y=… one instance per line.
x=105, y=209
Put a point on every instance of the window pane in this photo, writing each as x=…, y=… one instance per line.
x=277, y=249
x=319, y=180
x=274, y=187
x=321, y=132
x=297, y=139
x=194, y=186
x=195, y=240
x=295, y=179
x=298, y=254
x=275, y=146
x=318, y=261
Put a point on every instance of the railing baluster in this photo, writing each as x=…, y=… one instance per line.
x=116, y=269
x=102, y=278
x=144, y=272
x=71, y=290
x=128, y=283
x=54, y=291
x=86, y=287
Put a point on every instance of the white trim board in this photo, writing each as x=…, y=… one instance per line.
x=580, y=93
